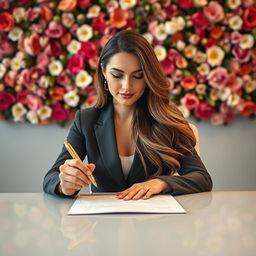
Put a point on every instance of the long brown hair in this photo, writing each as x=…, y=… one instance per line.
x=161, y=132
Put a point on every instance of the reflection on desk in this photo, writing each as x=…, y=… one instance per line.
x=217, y=223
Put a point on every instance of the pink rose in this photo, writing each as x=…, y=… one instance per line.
x=234, y=65
x=177, y=75
x=93, y=62
x=10, y=78
x=59, y=114
x=167, y=66
x=26, y=77
x=234, y=82
x=181, y=62
x=217, y=119
x=173, y=54
x=226, y=111
x=242, y=55
x=171, y=83
x=214, y=12
x=6, y=100
x=90, y=90
x=218, y=77
x=40, y=92
x=24, y=2
x=84, y=3
x=53, y=48
x=204, y=111
x=32, y=44
x=4, y=4
x=55, y=30
x=88, y=50
x=33, y=14
x=5, y=46
x=35, y=73
x=235, y=37
x=42, y=60
x=34, y=102
x=62, y=79
x=176, y=90
x=112, y=5
x=75, y=64
x=185, y=4
x=190, y=101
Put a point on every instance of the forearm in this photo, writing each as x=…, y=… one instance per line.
x=194, y=182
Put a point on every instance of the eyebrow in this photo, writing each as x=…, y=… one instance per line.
x=119, y=70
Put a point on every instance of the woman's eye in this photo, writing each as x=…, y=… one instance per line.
x=116, y=76
x=138, y=76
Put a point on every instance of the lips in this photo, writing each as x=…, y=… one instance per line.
x=126, y=95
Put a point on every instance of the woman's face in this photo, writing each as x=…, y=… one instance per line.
x=125, y=79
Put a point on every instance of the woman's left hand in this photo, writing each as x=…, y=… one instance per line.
x=144, y=190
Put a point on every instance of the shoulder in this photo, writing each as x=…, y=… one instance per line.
x=87, y=115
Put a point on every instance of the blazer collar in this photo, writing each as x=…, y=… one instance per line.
x=106, y=139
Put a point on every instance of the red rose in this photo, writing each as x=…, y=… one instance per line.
x=185, y=3
x=249, y=17
x=99, y=24
x=204, y=111
x=167, y=66
x=58, y=93
x=249, y=108
x=32, y=44
x=199, y=20
x=6, y=100
x=59, y=114
x=88, y=50
x=75, y=64
x=46, y=13
x=6, y=21
x=84, y=3
x=22, y=96
x=189, y=82
x=53, y=48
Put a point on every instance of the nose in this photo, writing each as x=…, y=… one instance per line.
x=126, y=84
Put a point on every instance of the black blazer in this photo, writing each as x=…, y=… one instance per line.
x=93, y=134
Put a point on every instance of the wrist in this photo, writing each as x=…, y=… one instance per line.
x=59, y=189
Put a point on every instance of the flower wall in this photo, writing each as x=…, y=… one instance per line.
x=49, y=51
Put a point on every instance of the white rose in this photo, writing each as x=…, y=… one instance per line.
x=55, y=68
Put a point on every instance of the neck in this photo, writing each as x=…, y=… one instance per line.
x=123, y=112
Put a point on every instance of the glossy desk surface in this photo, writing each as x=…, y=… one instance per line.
x=217, y=223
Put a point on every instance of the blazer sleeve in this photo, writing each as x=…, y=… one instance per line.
x=193, y=176
x=77, y=140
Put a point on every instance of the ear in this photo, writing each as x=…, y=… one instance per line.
x=102, y=70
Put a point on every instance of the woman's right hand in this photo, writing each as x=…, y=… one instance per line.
x=74, y=176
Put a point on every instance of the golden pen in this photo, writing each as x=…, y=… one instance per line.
x=73, y=153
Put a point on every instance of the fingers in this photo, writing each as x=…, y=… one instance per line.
x=136, y=192
x=143, y=190
x=74, y=176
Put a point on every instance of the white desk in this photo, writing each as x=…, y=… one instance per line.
x=217, y=223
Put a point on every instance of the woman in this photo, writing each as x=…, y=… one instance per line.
x=137, y=142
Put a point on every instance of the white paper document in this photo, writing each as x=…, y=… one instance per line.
x=109, y=203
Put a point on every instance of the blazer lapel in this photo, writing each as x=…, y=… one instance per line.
x=137, y=173
x=106, y=139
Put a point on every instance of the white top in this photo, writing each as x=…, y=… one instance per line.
x=126, y=162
